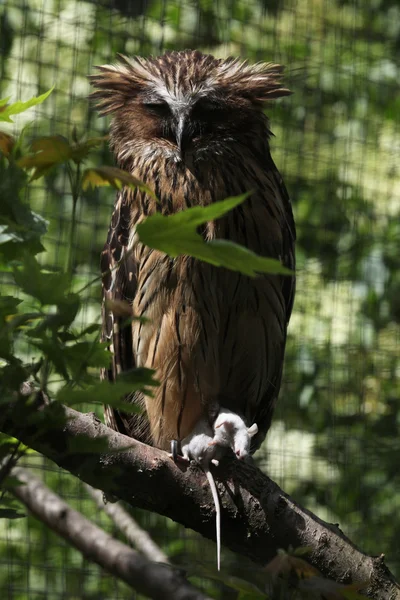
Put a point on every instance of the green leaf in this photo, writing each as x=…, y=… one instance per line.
x=286, y=562
x=55, y=353
x=81, y=150
x=8, y=306
x=12, y=442
x=74, y=335
x=6, y=439
x=48, y=152
x=21, y=320
x=72, y=362
x=49, y=149
x=114, y=177
x=6, y=143
x=177, y=234
x=6, y=350
x=48, y=288
x=12, y=245
x=223, y=253
x=86, y=354
x=113, y=394
x=10, y=509
x=27, y=224
x=68, y=308
x=20, y=228
x=19, y=106
x=67, y=336
x=12, y=375
x=92, y=328
x=5, y=449
x=246, y=589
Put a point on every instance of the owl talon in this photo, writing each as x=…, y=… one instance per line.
x=176, y=451
x=199, y=446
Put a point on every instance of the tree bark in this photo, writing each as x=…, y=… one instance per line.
x=257, y=517
x=135, y=535
x=157, y=581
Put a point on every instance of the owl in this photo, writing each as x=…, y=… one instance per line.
x=192, y=128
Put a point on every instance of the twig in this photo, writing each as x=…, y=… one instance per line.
x=152, y=579
x=136, y=535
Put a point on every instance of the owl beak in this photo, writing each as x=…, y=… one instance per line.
x=183, y=135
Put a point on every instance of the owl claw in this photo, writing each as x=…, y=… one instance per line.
x=205, y=445
x=175, y=450
x=176, y=453
x=199, y=446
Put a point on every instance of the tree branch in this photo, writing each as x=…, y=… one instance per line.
x=258, y=518
x=136, y=535
x=150, y=578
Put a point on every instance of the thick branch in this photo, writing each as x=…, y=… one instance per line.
x=258, y=518
x=152, y=579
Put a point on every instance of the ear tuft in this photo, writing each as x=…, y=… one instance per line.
x=259, y=83
x=116, y=84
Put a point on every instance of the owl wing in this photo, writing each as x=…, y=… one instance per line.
x=289, y=239
x=119, y=281
x=264, y=411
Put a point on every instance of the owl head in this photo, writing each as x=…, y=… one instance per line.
x=184, y=103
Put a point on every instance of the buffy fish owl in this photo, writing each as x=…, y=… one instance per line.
x=192, y=128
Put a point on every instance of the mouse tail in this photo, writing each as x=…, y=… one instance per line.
x=214, y=492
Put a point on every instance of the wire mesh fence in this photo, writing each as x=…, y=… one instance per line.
x=335, y=439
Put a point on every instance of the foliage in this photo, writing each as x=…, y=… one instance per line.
x=177, y=234
x=6, y=110
x=43, y=313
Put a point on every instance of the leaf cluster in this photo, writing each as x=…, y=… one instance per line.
x=43, y=350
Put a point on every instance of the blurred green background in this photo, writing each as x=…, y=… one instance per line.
x=335, y=443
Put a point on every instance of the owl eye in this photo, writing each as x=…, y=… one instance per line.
x=204, y=104
x=159, y=108
x=207, y=110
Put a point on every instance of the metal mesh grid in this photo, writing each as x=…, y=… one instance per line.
x=333, y=442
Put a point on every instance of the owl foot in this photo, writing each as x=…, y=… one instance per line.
x=231, y=431
x=176, y=451
x=198, y=447
x=206, y=445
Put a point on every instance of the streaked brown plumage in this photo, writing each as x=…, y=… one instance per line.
x=192, y=128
